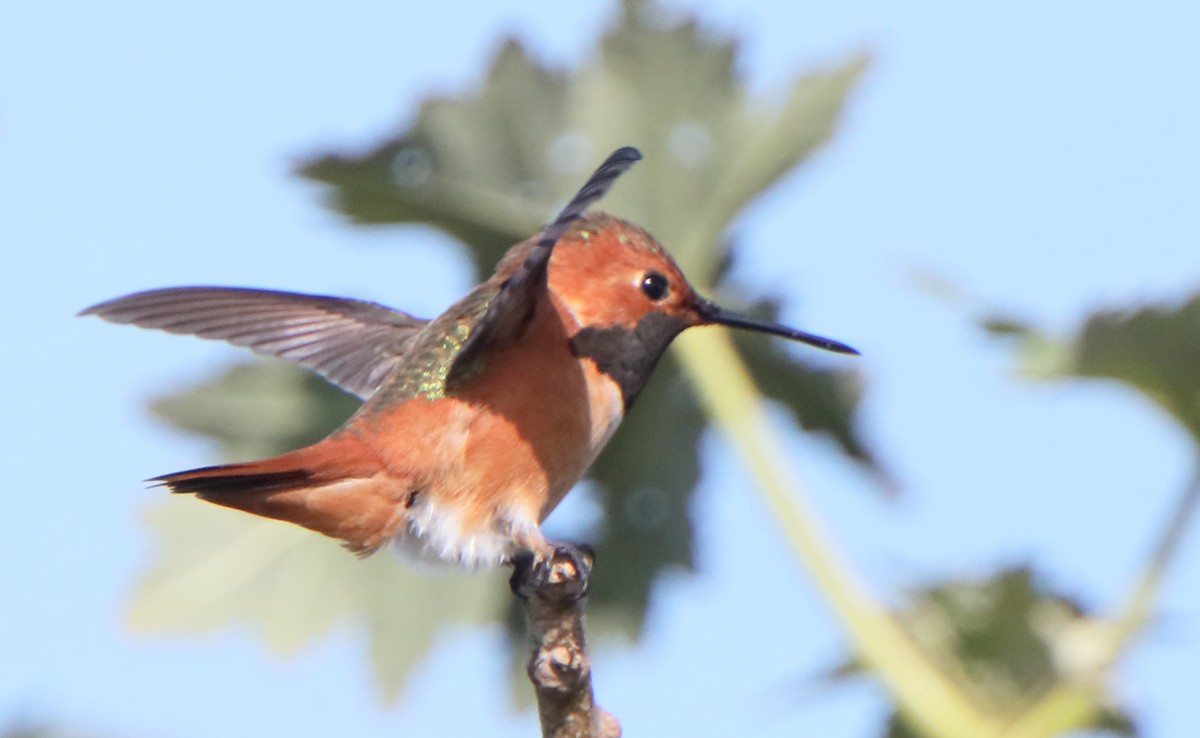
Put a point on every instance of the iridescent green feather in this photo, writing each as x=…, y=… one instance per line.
x=429, y=368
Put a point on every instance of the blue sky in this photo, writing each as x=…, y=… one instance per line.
x=1041, y=156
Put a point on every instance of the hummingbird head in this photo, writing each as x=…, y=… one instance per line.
x=628, y=300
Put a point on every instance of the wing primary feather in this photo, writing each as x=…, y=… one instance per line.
x=352, y=343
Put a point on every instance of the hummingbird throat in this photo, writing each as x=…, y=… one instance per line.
x=627, y=354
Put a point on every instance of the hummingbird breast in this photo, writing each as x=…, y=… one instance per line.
x=489, y=461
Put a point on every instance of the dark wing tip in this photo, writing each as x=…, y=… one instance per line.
x=625, y=154
x=617, y=163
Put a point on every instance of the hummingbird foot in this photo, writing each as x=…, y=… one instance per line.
x=562, y=576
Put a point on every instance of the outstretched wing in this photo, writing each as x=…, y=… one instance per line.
x=352, y=343
x=513, y=304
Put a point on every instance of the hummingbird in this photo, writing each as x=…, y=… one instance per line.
x=474, y=424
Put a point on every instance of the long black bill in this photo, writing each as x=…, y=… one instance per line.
x=715, y=314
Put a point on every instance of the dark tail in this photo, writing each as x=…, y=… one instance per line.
x=214, y=481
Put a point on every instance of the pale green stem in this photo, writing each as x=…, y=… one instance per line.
x=1068, y=706
x=1073, y=704
x=923, y=693
x=1137, y=608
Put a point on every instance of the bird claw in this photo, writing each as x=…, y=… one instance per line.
x=564, y=576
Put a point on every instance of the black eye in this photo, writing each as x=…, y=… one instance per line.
x=655, y=286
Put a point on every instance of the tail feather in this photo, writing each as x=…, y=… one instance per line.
x=342, y=492
x=224, y=480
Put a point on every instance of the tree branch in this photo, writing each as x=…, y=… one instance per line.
x=552, y=594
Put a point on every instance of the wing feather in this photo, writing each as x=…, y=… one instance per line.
x=352, y=343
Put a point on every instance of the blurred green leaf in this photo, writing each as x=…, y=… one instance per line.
x=259, y=409
x=220, y=567
x=1154, y=349
x=466, y=166
x=1007, y=640
x=489, y=167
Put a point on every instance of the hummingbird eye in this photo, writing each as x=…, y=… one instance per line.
x=654, y=285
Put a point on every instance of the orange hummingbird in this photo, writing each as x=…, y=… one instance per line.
x=475, y=424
